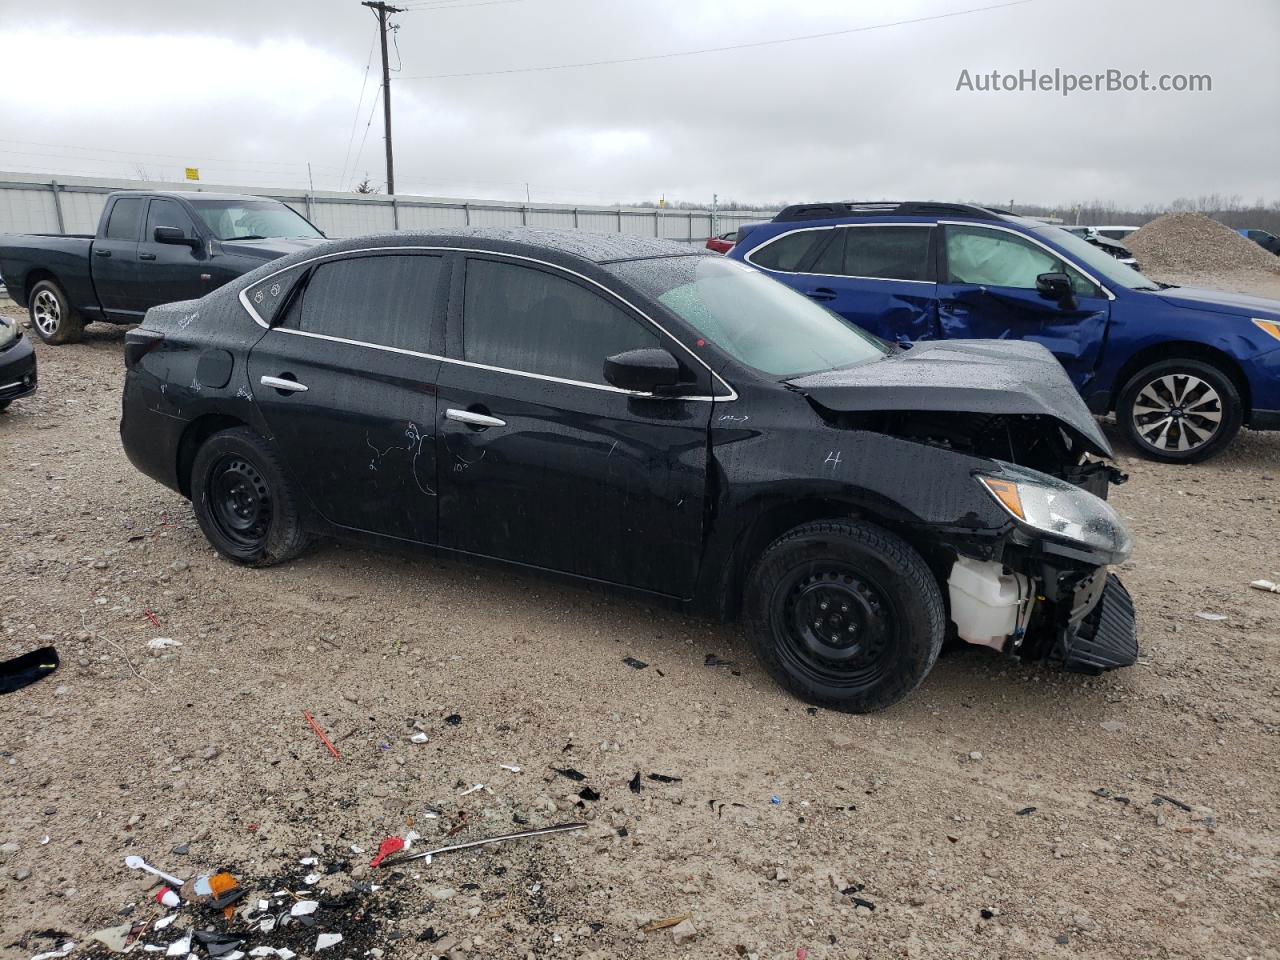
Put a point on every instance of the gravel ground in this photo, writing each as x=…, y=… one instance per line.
x=1002, y=810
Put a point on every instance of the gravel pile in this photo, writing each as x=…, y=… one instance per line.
x=1194, y=243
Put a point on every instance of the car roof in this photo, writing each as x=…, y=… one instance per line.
x=887, y=208
x=187, y=195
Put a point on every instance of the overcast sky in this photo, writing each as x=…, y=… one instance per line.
x=251, y=90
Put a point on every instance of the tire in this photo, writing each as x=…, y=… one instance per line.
x=244, y=502
x=871, y=652
x=1180, y=411
x=4, y=405
x=53, y=318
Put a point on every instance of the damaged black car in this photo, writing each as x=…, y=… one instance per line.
x=635, y=413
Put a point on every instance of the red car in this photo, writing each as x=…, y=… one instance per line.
x=723, y=243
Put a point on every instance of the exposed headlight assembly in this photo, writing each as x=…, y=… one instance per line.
x=8, y=331
x=1059, y=509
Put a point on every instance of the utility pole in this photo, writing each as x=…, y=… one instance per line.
x=383, y=10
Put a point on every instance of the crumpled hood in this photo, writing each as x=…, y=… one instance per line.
x=1237, y=304
x=970, y=376
x=271, y=248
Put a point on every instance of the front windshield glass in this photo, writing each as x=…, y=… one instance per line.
x=753, y=318
x=243, y=219
x=1096, y=260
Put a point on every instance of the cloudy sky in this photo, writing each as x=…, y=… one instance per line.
x=251, y=90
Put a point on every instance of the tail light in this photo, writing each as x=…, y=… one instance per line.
x=138, y=343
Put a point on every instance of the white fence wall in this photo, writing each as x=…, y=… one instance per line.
x=39, y=204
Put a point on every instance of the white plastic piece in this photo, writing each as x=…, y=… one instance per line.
x=165, y=921
x=418, y=738
x=988, y=605
x=326, y=940
x=303, y=907
x=311, y=878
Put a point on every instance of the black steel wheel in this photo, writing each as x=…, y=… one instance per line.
x=244, y=501
x=845, y=615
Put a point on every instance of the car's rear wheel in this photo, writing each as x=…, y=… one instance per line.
x=845, y=615
x=1180, y=411
x=53, y=318
x=243, y=501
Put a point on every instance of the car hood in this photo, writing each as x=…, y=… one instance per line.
x=1236, y=304
x=270, y=248
x=970, y=376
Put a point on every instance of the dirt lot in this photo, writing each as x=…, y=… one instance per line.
x=924, y=811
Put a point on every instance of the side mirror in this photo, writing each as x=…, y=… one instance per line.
x=176, y=236
x=1056, y=286
x=648, y=370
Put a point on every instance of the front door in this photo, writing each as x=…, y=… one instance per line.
x=544, y=463
x=989, y=292
x=347, y=385
x=171, y=271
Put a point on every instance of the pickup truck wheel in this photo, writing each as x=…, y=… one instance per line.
x=1180, y=411
x=845, y=615
x=243, y=502
x=53, y=318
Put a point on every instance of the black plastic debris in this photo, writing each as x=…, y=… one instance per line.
x=217, y=944
x=985, y=914
x=714, y=661
x=663, y=778
x=633, y=663
x=429, y=935
x=1062, y=939
x=571, y=773
x=586, y=793
x=634, y=785
x=25, y=670
x=811, y=711
x=1025, y=811
x=1160, y=798
x=453, y=719
x=516, y=818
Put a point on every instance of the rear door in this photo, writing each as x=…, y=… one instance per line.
x=114, y=263
x=544, y=463
x=989, y=292
x=347, y=384
x=170, y=271
x=880, y=277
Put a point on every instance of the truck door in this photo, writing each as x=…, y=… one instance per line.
x=114, y=263
x=171, y=271
x=988, y=291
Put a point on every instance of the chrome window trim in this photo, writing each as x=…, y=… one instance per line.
x=845, y=276
x=715, y=398
x=1044, y=246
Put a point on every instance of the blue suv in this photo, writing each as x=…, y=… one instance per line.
x=1182, y=368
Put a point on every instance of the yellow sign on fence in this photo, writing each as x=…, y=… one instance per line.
x=193, y=173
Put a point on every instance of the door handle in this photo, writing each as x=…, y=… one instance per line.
x=474, y=419
x=146, y=256
x=280, y=383
x=822, y=293
x=102, y=253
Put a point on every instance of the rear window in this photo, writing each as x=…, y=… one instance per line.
x=789, y=251
x=125, y=222
x=878, y=253
x=269, y=296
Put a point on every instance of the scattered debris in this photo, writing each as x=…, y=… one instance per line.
x=387, y=848
x=634, y=784
x=453, y=719
x=1162, y=798
x=1111, y=726
x=62, y=951
x=663, y=778
x=571, y=773
x=663, y=924
x=24, y=670
x=418, y=737
x=634, y=663
x=473, y=789
x=161, y=643
x=135, y=862
x=1265, y=585
x=1211, y=617
x=684, y=932
x=509, y=766
x=320, y=733
x=714, y=661
x=775, y=799
x=326, y=940
x=167, y=898
x=115, y=939
x=303, y=908
x=427, y=854
x=586, y=793
x=1025, y=811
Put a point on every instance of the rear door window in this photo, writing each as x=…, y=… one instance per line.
x=789, y=252
x=167, y=213
x=125, y=221
x=533, y=321
x=387, y=300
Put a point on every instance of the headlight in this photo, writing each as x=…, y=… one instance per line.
x=1268, y=326
x=1058, y=508
x=8, y=331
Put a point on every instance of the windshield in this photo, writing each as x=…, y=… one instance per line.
x=256, y=219
x=1096, y=260
x=753, y=318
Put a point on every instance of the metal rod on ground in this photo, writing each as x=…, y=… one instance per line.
x=559, y=828
x=383, y=10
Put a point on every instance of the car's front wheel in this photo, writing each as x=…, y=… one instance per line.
x=243, y=500
x=845, y=615
x=1180, y=411
x=53, y=318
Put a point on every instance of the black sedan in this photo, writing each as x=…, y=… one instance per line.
x=641, y=414
x=17, y=363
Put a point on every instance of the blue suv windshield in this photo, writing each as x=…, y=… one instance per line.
x=753, y=318
x=1094, y=259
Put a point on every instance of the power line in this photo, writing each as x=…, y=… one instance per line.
x=384, y=10
x=368, y=124
x=723, y=49
x=133, y=154
x=459, y=6
x=355, y=117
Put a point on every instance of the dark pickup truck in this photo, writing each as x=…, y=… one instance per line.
x=150, y=248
